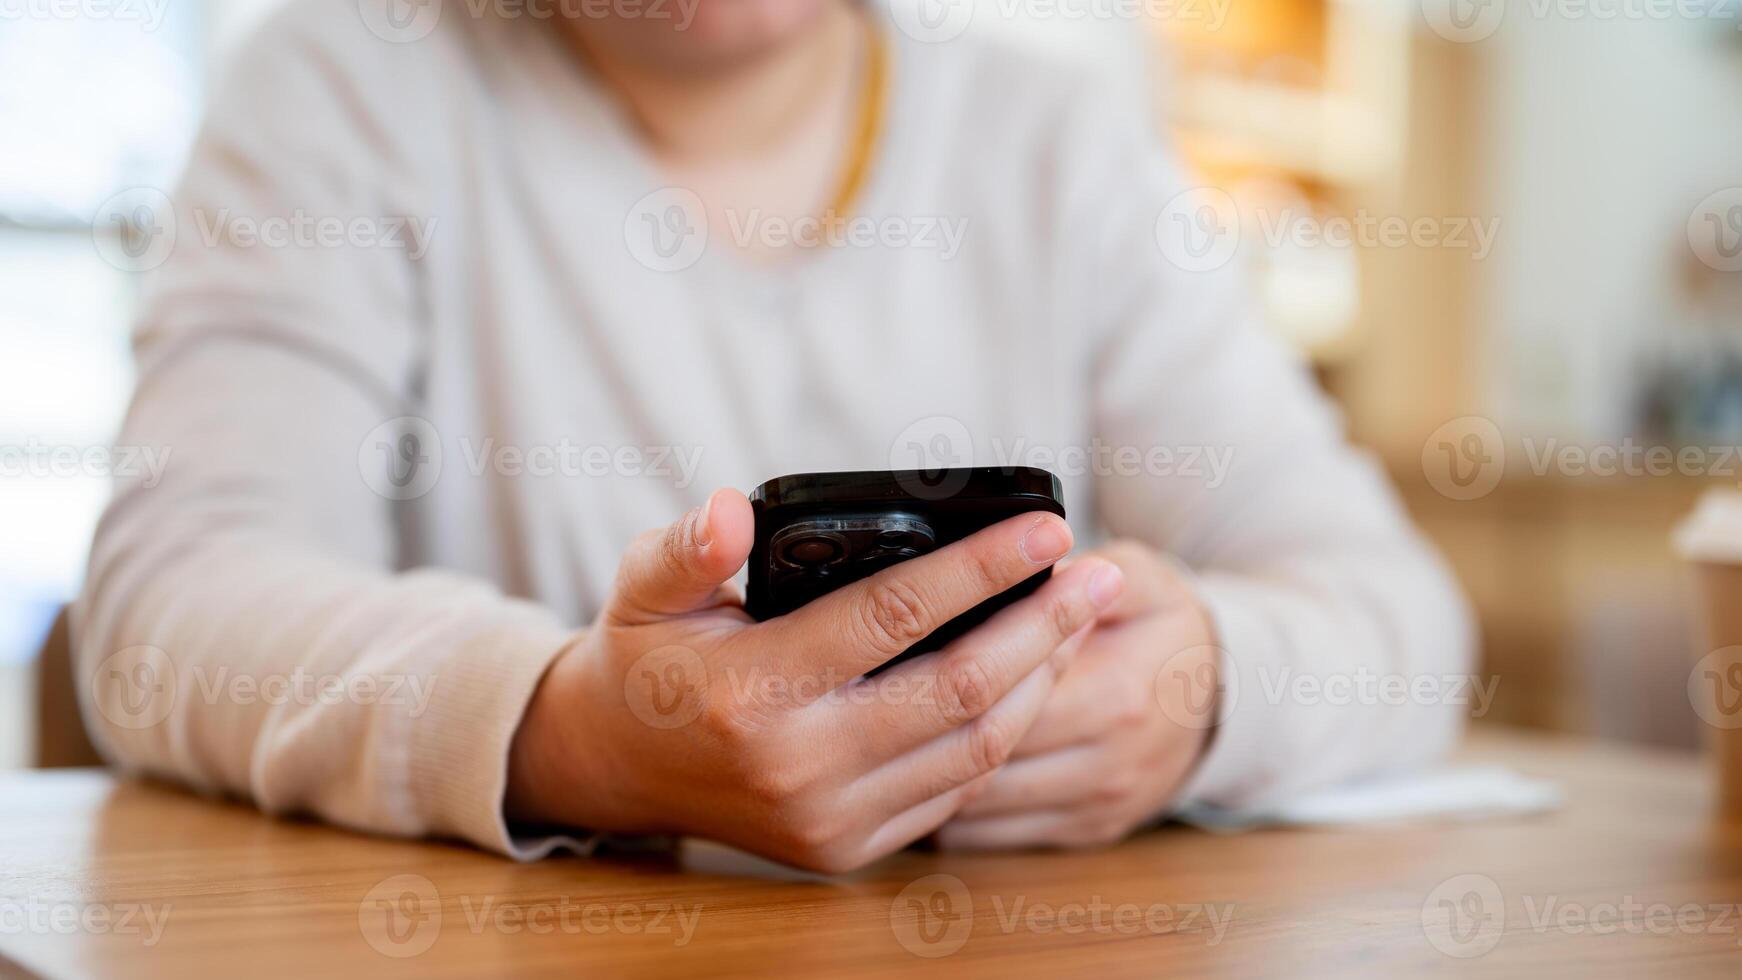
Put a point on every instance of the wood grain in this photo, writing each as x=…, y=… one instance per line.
x=241, y=895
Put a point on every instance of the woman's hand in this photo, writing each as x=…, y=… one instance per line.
x=1120, y=731
x=675, y=713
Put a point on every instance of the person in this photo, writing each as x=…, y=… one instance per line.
x=458, y=304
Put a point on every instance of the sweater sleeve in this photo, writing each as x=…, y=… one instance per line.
x=1345, y=644
x=247, y=626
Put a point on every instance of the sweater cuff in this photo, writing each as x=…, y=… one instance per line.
x=459, y=748
x=1236, y=768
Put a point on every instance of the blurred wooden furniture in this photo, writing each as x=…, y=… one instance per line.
x=1314, y=89
x=1586, y=613
x=60, y=731
x=1579, y=892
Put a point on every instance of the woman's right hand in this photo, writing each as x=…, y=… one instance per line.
x=676, y=713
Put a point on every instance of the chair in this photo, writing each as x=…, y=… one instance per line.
x=61, y=741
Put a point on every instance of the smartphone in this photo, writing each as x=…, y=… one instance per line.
x=816, y=532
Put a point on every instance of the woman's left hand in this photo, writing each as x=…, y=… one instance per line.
x=1121, y=730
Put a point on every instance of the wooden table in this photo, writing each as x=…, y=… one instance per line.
x=1633, y=878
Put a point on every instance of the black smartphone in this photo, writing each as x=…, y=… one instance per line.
x=816, y=532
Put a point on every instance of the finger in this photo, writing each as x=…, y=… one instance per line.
x=858, y=627
x=928, y=696
x=1045, y=828
x=919, y=820
x=1154, y=581
x=1067, y=652
x=1055, y=781
x=1085, y=705
x=680, y=568
x=960, y=757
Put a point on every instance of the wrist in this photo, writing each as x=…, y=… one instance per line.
x=564, y=763
x=535, y=773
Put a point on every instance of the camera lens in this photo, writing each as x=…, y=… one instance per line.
x=894, y=538
x=812, y=550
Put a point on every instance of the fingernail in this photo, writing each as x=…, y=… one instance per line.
x=1046, y=541
x=1105, y=585
x=704, y=527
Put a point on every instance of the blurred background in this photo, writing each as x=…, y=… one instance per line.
x=1508, y=236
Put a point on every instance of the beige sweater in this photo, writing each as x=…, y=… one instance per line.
x=403, y=464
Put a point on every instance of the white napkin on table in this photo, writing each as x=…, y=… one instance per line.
x=1458, y=794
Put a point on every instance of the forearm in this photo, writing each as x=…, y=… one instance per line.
x=298, y=667
x=1332, y=669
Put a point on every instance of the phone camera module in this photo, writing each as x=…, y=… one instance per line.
x=895, y=538
x=813, y=550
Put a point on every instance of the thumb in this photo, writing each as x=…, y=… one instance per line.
x=677, y=569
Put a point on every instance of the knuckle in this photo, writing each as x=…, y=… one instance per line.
x=778, y=786
x=985, y=571
x=1117, y=787
x=965, y=690
x=990, y=744
x=670, y=551
x=1066, y=615
x=1130, y=705
x=813, y=839
x=894, y=615
x=829, y=859
x=719, y=718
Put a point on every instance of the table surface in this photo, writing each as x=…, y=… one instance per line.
x=1634, y=877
